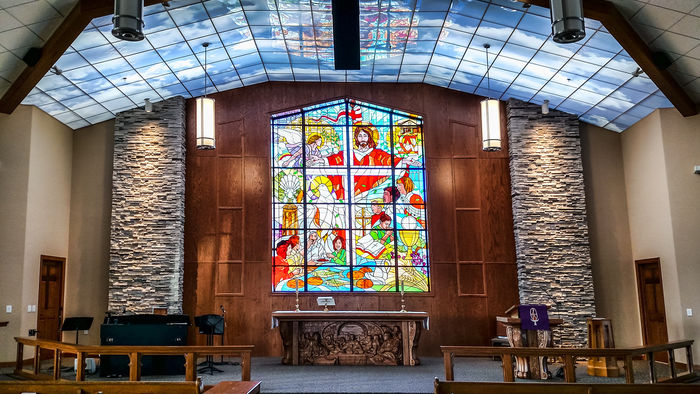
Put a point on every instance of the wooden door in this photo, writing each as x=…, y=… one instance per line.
x=651, y=303
x=50, y=303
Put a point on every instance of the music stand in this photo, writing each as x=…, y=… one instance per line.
x=78, y=324
x=210, y=325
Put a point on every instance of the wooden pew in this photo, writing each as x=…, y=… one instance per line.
x=561, y=388
x=67, y=387
x=134, y=353
x=569, y=355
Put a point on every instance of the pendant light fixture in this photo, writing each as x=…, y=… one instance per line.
x=128, y=20
x=490, y=116
x=205, y=113
x=567, y=20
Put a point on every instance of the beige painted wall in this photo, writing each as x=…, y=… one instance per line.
x=611, y=250
x=649, y=209
x=42, y=164
x=681, y=144
x=48, y=203
x=90, y=209
x=14, y=176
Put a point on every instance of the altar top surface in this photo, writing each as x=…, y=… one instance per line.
x=350, y=315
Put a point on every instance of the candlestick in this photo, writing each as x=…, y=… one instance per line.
x=403, y=302
x=296, y=292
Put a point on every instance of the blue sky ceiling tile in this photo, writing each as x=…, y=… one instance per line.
x=440, y=43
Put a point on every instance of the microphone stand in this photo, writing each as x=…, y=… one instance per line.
x=223, y=342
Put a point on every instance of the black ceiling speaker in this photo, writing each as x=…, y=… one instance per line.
x=128, y=20
x=567, y=20
x=346, y=34
x=32, y=56
x=661, y=59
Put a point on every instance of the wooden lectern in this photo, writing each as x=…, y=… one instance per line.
x=531, y=367
x=600, y=335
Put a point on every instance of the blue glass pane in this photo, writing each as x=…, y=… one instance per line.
x=112, y=66
x=157, y=22
x=536, y=24
x=70, y=61
x=502, y=15
x=475, y=9
x=592, y=55
x=461, y=23
x=494, y=31
x=100, y=54
x=604, y=41
x=189, y=14
x=165, y=38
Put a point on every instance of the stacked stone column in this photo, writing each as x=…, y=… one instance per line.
x=148, y=209
x=549, y=214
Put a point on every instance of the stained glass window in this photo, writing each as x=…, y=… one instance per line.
x=348, y=185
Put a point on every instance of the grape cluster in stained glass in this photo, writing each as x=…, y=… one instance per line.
x=348, y=185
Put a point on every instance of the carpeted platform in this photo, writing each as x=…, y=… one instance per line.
x=277, y=378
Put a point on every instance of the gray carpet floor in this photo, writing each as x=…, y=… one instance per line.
x=277, y=378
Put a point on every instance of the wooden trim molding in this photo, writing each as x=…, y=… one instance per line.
x=55, y=46
x=606, y=13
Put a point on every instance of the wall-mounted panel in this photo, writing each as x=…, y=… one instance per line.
x=468, y=235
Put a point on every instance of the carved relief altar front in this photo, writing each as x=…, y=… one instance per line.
x=350, y=338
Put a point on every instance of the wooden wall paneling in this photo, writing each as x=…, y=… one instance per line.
x=205, y=288
x=468, y=235
x=496, y=211
x=257, y=211
x=465, y=141
x=200, y=210
x=229, y=138
x=455, y=320
x=455, y=234
x=471, y=279
x=229, y=278
x=231, y=222
x=466, y=183
x=501, y=285
x=440, y=207
x=230, y=181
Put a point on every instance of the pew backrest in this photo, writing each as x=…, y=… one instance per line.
x=451, y=387
x=65, y=387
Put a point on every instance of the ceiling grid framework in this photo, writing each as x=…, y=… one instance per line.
x=439, y=42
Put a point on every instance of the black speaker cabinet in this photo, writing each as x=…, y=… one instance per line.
x=143, y=335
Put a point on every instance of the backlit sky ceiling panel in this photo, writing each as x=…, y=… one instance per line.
x=436, y=42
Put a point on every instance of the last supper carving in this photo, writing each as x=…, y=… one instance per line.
x=344, y=340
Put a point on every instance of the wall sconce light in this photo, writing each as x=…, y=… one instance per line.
x=205, y=114
x=128, y=20
x=490, y=116
x=545, y=107
x=147, y=105
x=567, y=20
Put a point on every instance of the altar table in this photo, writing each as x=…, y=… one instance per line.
x=350, y=337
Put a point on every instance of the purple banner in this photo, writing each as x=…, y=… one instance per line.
x=533, y=317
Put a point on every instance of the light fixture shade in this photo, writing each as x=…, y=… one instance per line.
x=205, y=123
x=567, y=20
x=128, y=20
x=491, y=124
